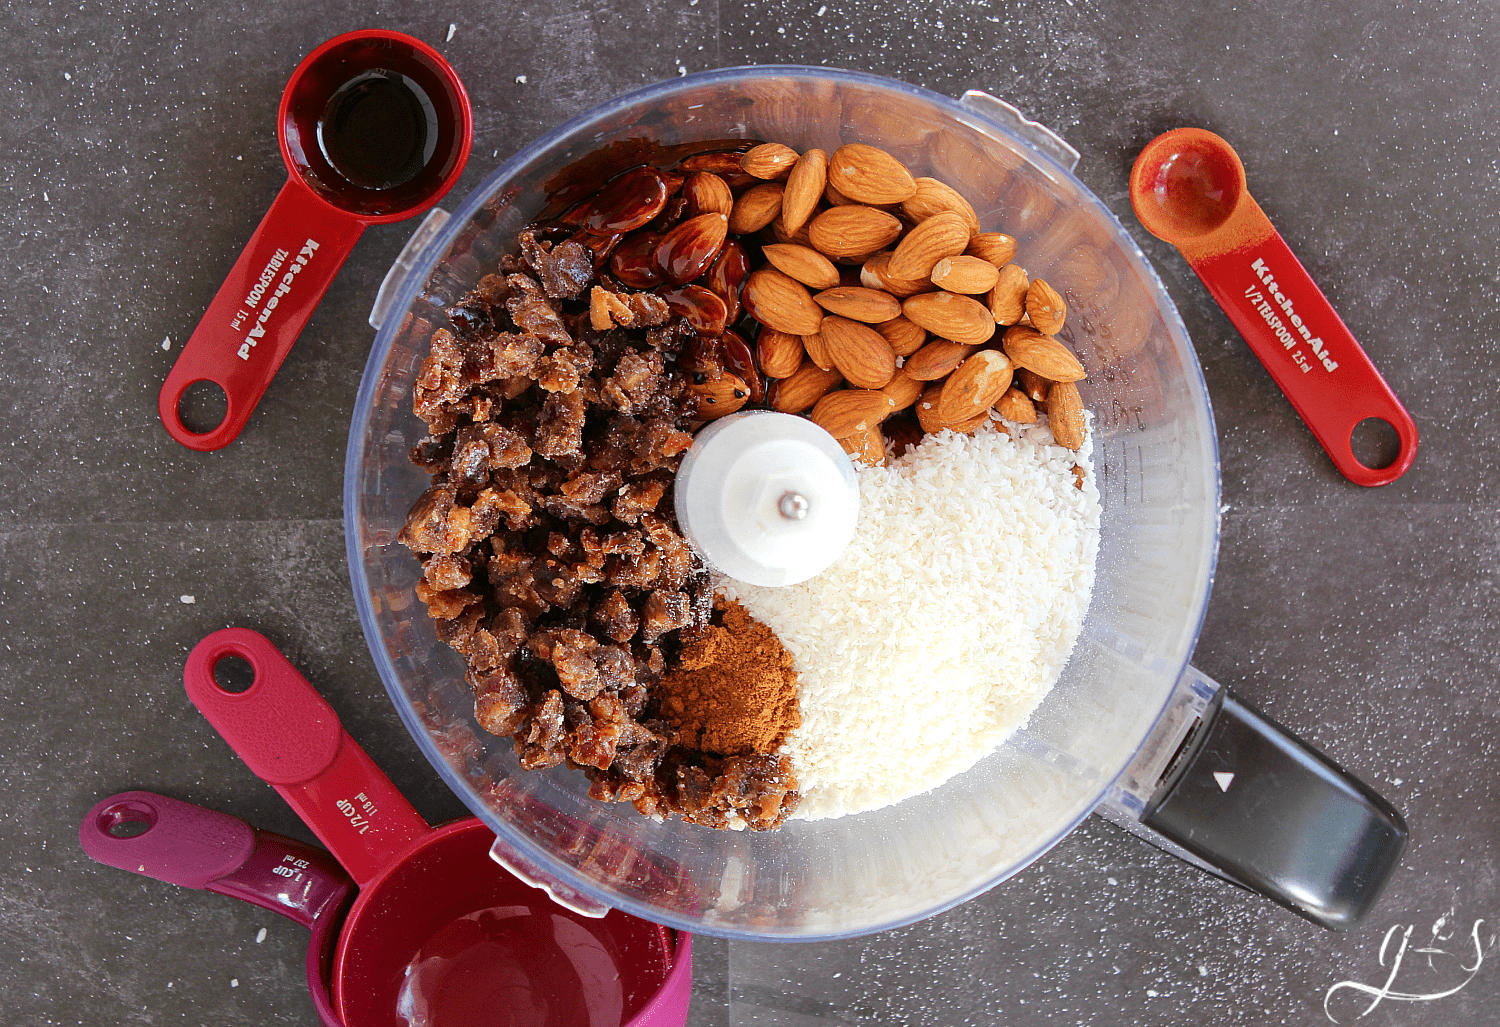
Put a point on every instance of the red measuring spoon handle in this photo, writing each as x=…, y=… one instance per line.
x=1309, y=351
x=290, y=738
x=260, y=310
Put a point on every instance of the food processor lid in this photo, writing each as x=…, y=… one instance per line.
x=767, y=498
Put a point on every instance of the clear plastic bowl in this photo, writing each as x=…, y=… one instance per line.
x=1155, y=458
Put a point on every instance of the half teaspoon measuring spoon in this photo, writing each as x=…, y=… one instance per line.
x=1188, y=189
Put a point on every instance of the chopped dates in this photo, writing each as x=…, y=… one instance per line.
x=558, y=413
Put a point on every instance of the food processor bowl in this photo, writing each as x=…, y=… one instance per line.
x=1155, y=461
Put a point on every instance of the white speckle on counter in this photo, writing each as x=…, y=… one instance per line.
x=234, y=982
x=1150, y=992
x=822, y=10
x=1202, y=971
x=187, y=600
x=67, y=76
x=681, y=71
x=452, y=28
x=166, y=343
x=521, y=80
x=260, y=936
x=1112, y=881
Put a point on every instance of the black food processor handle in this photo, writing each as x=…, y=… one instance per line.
x=1228, y=789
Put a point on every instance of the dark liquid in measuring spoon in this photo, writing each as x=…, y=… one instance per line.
x=378, y=131
x=531, y=965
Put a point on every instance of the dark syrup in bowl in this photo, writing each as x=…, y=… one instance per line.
x=379, y=130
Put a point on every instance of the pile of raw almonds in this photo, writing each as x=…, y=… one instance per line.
x=934, y=292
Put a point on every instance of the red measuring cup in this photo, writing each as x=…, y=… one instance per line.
x=440, y=934
x=193, y=847
x=374, y=127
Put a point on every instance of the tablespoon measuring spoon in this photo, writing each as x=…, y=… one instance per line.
x=1188, y=188
x=374, y=127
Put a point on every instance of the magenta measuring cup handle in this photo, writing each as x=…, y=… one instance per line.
x=177, y=842
x=290, y=738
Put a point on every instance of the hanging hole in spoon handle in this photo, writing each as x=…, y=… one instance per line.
x=374, y=127
x=1188, y=188
x=291, y=738
x=179, y=843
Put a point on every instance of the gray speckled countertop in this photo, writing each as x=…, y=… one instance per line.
x=139, y=154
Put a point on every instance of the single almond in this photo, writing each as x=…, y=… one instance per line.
x=1016, y=406
x=768, y=160
x=756, y=208
x=817, y=350
x=1008, y=297
x=968, y=275
x=865, y=447
x=1033, y=385
x=876, y=274
x=871, y=306
x=802, y=388
x=715, y=397
x=779, y=302
x=1045, y=308
x=1065, y=415
x=804, y=188
x=933, y=422
x=934, y=197
x=996, y=247
x=975, y=385
x=903, y=389
x=927, y=410
x=803, y=263
x=936, y=360
x=778, y=354
x=943, y=235
x=725, y=164
x=1043, y=354
x=950, y=315
x=860, y=353
x=852, y=231
x=973, y=424
x=905, y=338
x=867, y=174
x=707, y=193
x=847, y=411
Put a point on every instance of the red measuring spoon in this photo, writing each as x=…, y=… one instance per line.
x=440, y=934
x=177, y=842
x=1188, y=189
x=374, y=127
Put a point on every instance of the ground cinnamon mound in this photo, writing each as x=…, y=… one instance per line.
x=733, y=692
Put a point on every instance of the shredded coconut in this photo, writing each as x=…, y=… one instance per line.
x=943, y=624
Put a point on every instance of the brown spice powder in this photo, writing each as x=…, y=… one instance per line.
x=734, y=691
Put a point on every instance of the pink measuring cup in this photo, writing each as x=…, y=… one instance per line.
x=440, y=934
x=374, y=127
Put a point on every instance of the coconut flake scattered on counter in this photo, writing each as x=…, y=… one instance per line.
x=942, y=626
